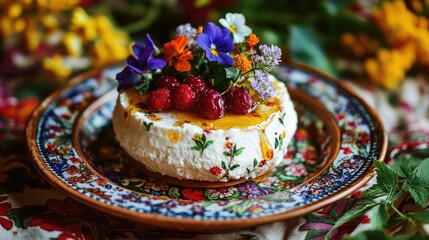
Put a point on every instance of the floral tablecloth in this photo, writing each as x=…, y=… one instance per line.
x=31, y=209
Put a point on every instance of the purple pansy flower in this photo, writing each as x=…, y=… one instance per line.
x=127, y=78
x=139, y=65
x=217, y=43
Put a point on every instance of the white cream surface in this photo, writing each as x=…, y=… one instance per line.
x=170, y=148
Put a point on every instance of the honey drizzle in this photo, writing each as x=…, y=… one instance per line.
x=266, y=147
x=137, y=104
x=259, y=115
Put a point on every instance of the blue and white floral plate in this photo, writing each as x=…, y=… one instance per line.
x=71, y=141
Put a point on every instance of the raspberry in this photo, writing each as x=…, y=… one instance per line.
x=210, y=104
x=196, y=83
x=159, y=100
x=183, y=97
x=238, y=100
x=168, y=82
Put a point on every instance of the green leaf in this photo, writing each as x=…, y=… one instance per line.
x=208, y=143
x=422, y=170
x=238, y=151
x=234, y=166
x=306, y=48
x=199, y=144
x=371, y=235
x=353, y=213
x=419, y=191
x=368, y=201
x=421, y=216
x=379, y=216
x=281, y=119
x=196, y=148
x=148, y=125
x=387, y=179
x=223, y=165
x=373, y=192
x=232, y=73
x=217, y=76
x=416, y=177
x=255, y=162
x=278, y=143
x=405, y=165
x=314, y=233
x=227, y=154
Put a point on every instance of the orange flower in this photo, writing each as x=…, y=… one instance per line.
x=252, y=40
x=242, y=63
x=229, y=145
x=176, y=54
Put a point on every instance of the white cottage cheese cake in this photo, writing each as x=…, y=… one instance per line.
x=185, y=146
x=207, y=109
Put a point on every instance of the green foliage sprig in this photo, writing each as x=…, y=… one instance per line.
x=406, y=179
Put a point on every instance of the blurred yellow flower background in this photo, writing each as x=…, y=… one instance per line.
x=406, y=34
x=61, y=36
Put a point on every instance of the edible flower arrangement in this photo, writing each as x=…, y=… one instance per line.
x=210, y=69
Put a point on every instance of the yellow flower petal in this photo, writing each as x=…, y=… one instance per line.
x=55, y=68
x=15, y=10
x=31, y=37
x=72, y=44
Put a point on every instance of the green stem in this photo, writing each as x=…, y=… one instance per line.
x=398, y=212
x=392, y=199
x=405, y=217
x=251, y=70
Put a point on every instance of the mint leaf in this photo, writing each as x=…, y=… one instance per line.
x=379, y=216
x=421, y=216
x=419, y=190
x=373, y=192
x=370, y=235
x=305, y=47
x=405, y=165
x=387, y=179
x=367, y=202
x=417, y=182
x=422, y=170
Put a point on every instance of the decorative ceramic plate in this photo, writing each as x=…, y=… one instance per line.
x=71, y=141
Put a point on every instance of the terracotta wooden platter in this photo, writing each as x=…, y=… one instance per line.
x=73, y=147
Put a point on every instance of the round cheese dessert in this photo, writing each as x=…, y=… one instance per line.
x=183, y=145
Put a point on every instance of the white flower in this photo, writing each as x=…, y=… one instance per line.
x=188, y=31
x=235, y=22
